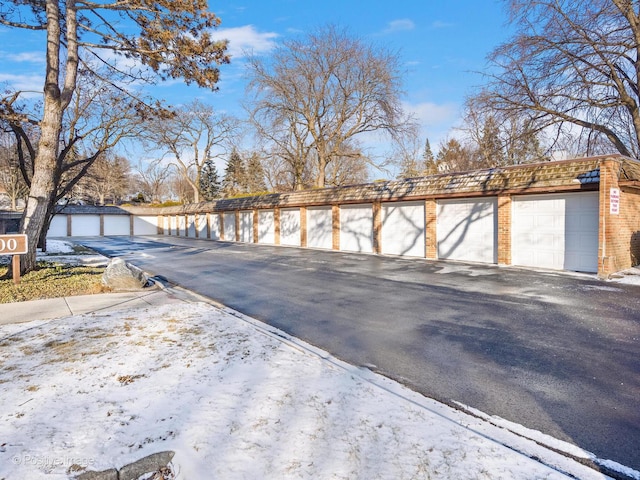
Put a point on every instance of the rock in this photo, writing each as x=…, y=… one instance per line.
x=149, y=464
x=119, y=275
x=111, y=474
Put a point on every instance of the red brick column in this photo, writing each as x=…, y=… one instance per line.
x=237, y=220
x=256, y=225
x=612, y=241
x=335, y=222
x=431, y=238
x=377, y=227
x=303, y=227
x=276, y=226
x=504, y=229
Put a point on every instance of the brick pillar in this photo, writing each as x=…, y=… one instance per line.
x=256, y=225
x=335, y=223
x=237, y=219
x=609, y=238
x=504, y=229
x=101, y=225
x=69, y=225
x=221, y=217
x=303, y=227
x=377, y=227
x=132, y=225
x=196, y=223
x=208, y=226
x=160, y=226
x=431, y=240
x=276, y=226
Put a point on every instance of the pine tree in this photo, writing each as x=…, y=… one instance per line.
x=429, y=160
x=235, y=176
x=210, y=186
x=255, y=175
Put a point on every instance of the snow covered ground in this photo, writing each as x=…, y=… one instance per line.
x=235, y=400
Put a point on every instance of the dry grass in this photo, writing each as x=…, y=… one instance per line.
x=52, y=280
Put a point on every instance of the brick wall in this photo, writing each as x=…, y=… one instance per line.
x=504, y=230
x=619, y=234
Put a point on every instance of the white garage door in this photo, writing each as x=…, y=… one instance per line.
x=356, y=228
x=266, y=227
x=319, y=227
x=145, y=225
x=229, y=226
x=117, y=225
x=290, y=226
x=467, y=229
x=246, y=227
x=556, y=231
x=403, y=229
x=58, y=227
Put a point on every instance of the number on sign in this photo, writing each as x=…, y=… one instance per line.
x=10, y=245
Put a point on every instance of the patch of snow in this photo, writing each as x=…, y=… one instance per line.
x=234, y=399
x=59, y=246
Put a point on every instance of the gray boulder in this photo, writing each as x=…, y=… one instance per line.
x=120, y=275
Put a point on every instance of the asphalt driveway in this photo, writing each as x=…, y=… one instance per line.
x=554, y=352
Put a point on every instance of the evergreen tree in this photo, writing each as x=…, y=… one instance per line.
x=429, y=160
x=255, y=175
x=210, y=186
x=235, y=175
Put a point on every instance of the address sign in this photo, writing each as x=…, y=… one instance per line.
x=13, y=245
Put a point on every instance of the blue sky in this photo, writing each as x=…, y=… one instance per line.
x=441, y=44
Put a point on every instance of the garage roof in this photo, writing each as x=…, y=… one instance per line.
x=566, y=175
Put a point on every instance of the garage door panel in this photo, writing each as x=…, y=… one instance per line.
x=319, y=227
x=403, y=229
x=356, y=228
x=467, y=230
x=558, y=231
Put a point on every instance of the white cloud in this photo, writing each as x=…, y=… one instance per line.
x=26, y=83
x=247, y=39
x=400, y=25
x=433, y=114
x=436, y=121
x=24, y=57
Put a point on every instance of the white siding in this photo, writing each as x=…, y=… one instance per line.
x=319, y=227
x=403, y=228
x=266, y=227
x=467, y=230
x=356, y=228
x=290, y=226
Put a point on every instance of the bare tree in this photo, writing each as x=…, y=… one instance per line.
x=171, y=39
x=194, y=135
x=107, y=179
x=573, y=65
x=152, y=179
x=318, y=94
x=11, y=179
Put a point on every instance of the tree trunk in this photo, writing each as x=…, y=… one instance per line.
x=43, y=182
